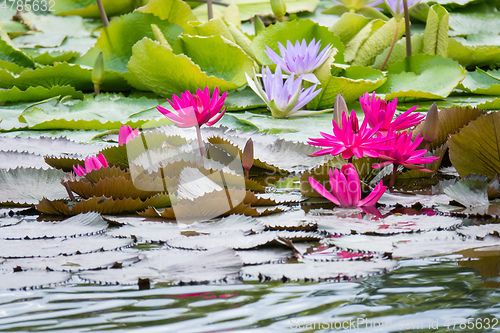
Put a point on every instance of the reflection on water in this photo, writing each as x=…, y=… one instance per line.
x=421, y=294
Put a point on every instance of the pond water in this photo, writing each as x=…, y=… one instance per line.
x=421, y=294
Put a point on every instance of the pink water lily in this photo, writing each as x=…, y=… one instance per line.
x=126, y=134
x=197, y=109
x=378, y=111
x=403, y=151
x=346, y=188
x=91, y=163
x=351, y=140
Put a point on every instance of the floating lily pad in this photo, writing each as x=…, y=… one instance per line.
x=474, y=150
x=174, y=266
x=10, y=54
x=13, y=160
x=145, y=231
x=264, y=256
x=469, y=192
x=230, y=223
x=25, y=186
x=30, y=279
x=88, y=8
x=175, y=11
x=60, y=246
x=60, y=146
x=156, y=67
x=83, y=224
x=423, y=77
x=471, y=56
x=238, y=240
x=317, y=271
x=77, y=262
x=473, y=22
x=103, y=205
x=37, y=93
x=480, y=82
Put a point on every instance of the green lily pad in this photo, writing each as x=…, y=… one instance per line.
x=37, y=93
x=351, y=82
x=243, y=99
x=12, y=55
x=469, y=192
x=348, y=26
x=479, y=82
x=88, y=8
x=399, y=51
x=105, y=111
x=249, y=8
x=474, y=150
x=294, y=31
x=61, y=75
x=175, y=11
x=465, y=23
x=156, y=67
x=471, y=56
x=49, y=58
x=116, y=41
x=355, y=43
x=427, y=77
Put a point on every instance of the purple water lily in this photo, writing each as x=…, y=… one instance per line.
x=283, y=99
x=397, y=9
x=359, y=4
x=300, y=58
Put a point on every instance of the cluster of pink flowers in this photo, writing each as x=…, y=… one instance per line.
x=91, y=163
x=376, y=138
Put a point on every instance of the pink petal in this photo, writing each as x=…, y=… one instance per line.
x=323, y=191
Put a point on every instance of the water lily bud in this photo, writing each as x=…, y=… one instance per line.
x=98, y=73
x=247, y=157
x=258, y=24
x=431, y=124
x=279, y=8
x=339, y=108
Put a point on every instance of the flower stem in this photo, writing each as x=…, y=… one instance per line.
x=407, y=28
x=392, y=47
x=210, y=9
x=200, y=141
x=102, y=12
x=393, y=176
x=97, y=89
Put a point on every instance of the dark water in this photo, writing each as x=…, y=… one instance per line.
x=420, y=295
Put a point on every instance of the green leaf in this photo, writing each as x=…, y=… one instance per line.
x=37, y=93
x=480, y=82
x=88, y=8
x=428, y=77
x=348, y=25
x=294, y=31
x=351, y=83
x=399, y=51
x=352, y=48
x=474, y=150
x=243, y=99
x=175, y=11
x=214, y=27
x=49, y=58
x=436, y=31
x=61, y=75
x=378, y=41
x=471, y=56
x=166, y=73
x=15, y=56
x=116, y=41
x=106, y=111
x=249, y=8
x=465, y=23
x=469, y=192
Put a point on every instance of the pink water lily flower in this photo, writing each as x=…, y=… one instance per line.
x=346, y=188
x=196, y=110
x=351, y=140
x=378, y=111
x=126, y=134
x=91, y=163
x=403, y=152
x=300, y=58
